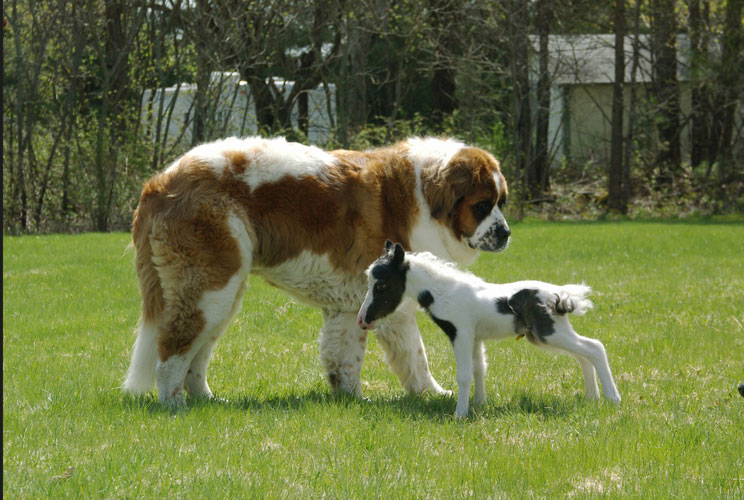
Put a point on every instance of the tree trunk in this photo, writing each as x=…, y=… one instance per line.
x=666, y=89
x=541, y=183
x=730, y=81
x=118, y=65
x=443, y=86
x=633, y=100
x=203, y=58
x=519, y=42
x=700, y=127
x=616, y=199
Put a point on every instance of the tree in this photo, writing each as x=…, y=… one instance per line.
x=112, y=54
x=445, y=18
x=616, y=181
x=519, y=40
x=666, y=88
x=730, y=86
x=699, y=48
x=540, y=183
x=633, y=101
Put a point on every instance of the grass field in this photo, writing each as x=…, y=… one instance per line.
x=669, y=307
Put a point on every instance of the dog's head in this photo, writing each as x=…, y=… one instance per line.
x=467, y=194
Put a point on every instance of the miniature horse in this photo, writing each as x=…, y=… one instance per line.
x=469, y=310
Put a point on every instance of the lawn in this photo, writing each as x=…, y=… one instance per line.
x=669, y=308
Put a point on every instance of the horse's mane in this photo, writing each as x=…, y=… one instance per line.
x=442, y=268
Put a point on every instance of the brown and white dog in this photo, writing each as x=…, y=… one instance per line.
x=308, y=222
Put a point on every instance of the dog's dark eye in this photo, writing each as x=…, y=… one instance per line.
x=380, y=287
x=482, y=208
x=502, y=202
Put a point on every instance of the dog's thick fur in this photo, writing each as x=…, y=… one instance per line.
x=308, y=222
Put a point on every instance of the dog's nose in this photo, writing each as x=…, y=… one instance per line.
x=504, y=232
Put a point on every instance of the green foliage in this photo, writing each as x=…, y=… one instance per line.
x=76, y=147
x=666, y=310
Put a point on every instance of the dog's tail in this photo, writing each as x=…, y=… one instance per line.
x=141, y=371
x=570, y=299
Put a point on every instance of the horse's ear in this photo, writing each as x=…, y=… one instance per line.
x=388, y=245
x=398, y=254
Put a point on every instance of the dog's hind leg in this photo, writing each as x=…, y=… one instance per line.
x=400, y=338
x=187, y=338
x=141, y=371
x=215, y=308
x=199, y=263
x=219, y=308
x=567, y=339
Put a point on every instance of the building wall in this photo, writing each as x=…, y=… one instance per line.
x=585, y=119
x=233, y=108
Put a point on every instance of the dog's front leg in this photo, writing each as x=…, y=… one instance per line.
x=342, y=348
x=400, y=338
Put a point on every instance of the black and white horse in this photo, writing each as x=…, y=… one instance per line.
x=469, y=311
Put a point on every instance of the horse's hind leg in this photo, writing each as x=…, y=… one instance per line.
x=587, y=368
x=567, y=339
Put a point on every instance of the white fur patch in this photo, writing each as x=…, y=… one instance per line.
x=428, y=150
x=273, y=159
x=426, y=233
x=270, y=159
x=313, y=280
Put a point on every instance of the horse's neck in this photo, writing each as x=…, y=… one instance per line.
x=424, y=277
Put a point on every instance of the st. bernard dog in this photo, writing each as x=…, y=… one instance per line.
x=308, y=222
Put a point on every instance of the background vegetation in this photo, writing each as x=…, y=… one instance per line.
x=75, y=150
x=668, y=310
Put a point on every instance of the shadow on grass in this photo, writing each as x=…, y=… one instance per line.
x=415, y=406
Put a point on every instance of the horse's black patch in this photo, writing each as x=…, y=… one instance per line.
x=447, y=327
x=425, y=299
x=502, y=306
x=390, y=272
x=531, y=316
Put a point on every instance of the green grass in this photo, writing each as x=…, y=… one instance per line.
x=669, y=309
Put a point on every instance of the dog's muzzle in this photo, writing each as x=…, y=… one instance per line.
x=496, y=239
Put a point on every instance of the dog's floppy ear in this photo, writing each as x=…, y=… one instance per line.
x=443, y=187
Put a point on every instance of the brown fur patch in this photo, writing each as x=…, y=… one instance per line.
x=184, y=248
x=451, y=191
x=237, y=161
x=368, y=198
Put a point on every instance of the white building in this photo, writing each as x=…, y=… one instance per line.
x=171, y=110
x=582, y=71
